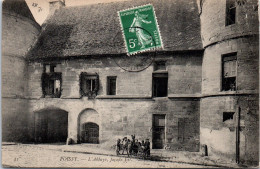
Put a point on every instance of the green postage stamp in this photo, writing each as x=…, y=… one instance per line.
x=140, y=29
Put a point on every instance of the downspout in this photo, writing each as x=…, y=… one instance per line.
x=237, y=134
x=238, y=120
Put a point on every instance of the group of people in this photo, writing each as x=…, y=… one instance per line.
x=133, y=147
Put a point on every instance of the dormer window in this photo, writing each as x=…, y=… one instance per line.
x=51, y=80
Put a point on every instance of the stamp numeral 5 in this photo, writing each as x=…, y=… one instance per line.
x=132, y=43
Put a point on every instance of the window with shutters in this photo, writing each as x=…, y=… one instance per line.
x=111, y=85
x=51, y=80
x=230, y=12
x=89, y=84
x=229, y=72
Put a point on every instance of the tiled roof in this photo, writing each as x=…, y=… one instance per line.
x=91, y=29
x=19, y=7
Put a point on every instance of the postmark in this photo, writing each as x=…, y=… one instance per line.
x=137, y=62
x=140, y=29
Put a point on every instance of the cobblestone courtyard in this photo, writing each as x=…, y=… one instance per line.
x=41, y=156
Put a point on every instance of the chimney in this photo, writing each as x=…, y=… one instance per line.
x=54, y=5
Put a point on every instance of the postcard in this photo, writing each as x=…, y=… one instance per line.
x=130, y=84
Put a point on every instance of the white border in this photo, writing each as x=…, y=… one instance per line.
x=122, y=30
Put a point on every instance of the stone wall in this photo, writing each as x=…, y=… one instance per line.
x=247, y=65
x=219, y=39
x=132, y=109
x=14, y=48
x=14, y=27
x=15, y=45
x=213, y=26
x=186, y=66
x=14, y=120
x=14, y=76
x=220, y=136
x=123, y=117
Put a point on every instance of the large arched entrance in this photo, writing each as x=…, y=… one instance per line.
x=51, y=126
x=88, y=125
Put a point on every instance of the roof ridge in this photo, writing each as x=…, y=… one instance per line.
x=90, y=29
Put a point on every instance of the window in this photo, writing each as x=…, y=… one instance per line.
x=51, y=80
x=111, y=85
x=230, y=12
x=229, y=72
x=228, y=116
x=159, y=65
x=160, y=84
x=89, y=84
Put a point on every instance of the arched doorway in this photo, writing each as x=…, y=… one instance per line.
x=88, y=126
x=51, y=126
x=90, y=133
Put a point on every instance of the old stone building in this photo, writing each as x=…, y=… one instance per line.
x=229, y=32
x=17, y=21
x=200, y=90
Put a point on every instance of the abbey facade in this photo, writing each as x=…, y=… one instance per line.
x=199, y=92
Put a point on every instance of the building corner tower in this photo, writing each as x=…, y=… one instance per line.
x=229, y=109
x=20, y=31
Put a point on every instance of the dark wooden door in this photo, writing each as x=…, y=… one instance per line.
x=158, y=131
x=51, y=126
x=57, y=127
x=41, y=127
x=90, y=133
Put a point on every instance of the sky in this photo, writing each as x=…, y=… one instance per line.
x=40, y=8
